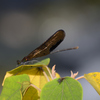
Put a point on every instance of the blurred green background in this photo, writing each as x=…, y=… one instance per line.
x=25, y=24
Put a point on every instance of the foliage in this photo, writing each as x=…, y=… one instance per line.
x=39, y=82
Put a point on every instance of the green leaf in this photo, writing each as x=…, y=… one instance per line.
x=11, y=88
x=43, y=62
x=62, y=89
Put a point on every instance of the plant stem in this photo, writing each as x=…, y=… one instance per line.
x=35, y=87
x=80, y=77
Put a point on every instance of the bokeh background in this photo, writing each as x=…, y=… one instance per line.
x=25, y=24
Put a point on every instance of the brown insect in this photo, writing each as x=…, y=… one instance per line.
x=47, y=47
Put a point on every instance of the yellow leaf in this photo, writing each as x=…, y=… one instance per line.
x=31, y=94
x=35, y=73
x=94, y=80
x=28, y=92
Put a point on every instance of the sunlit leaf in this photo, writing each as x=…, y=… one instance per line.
x=62, y=89
x=94, y=80
x=34, y=71
x=11, y=88
x=21, y=68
